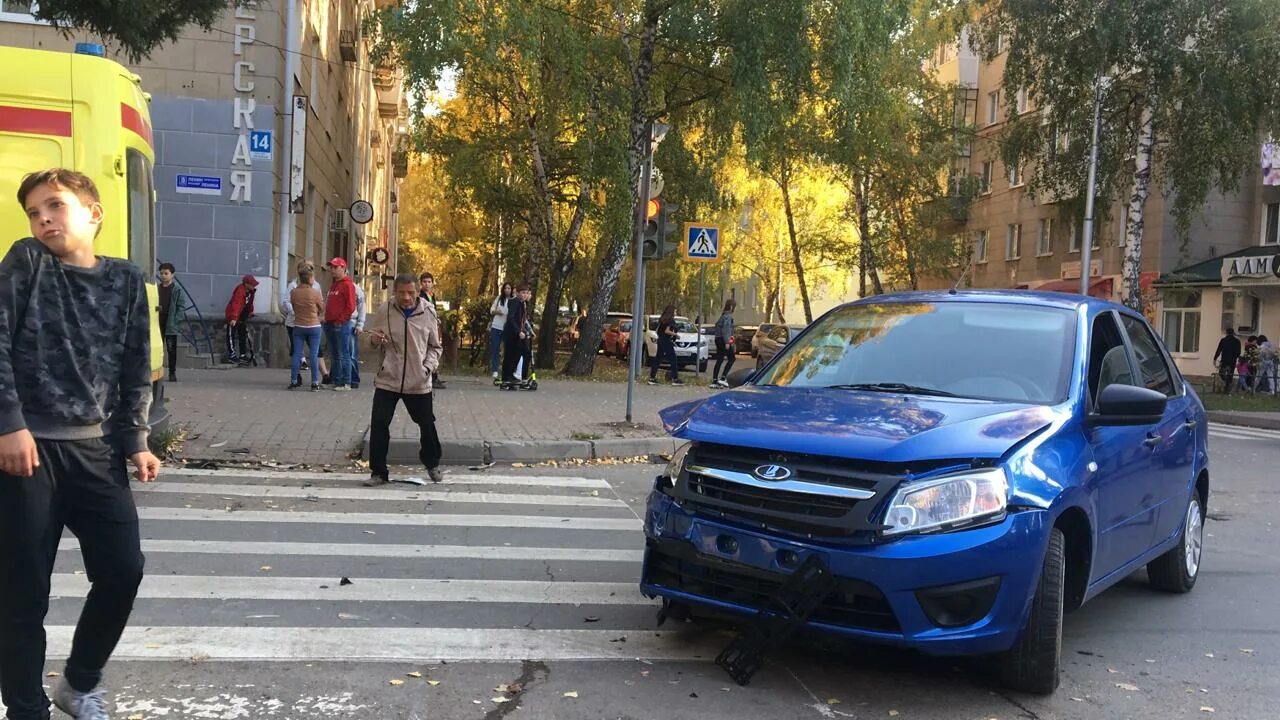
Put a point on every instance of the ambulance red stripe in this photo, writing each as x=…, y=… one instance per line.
x=35, y=121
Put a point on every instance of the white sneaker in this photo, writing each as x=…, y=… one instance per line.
x=81, y=706
x=495, y=375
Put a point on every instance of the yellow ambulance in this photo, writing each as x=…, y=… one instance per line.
x=82, y=111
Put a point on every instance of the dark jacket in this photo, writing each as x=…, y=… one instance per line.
x=1228, y=350
x=172, y=315
x=75, y=348
x=517, y=320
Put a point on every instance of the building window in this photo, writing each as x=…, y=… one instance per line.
x=1241, y=313
x=1001, y=44
x=984, y=185
x=1271, y=225
x=1182, y=321
x=1013, y=243
x=1061, y=141
x=18, y=7
x=980, y=246
x=1124, y=224
x=1020, y=101
x=1015, y=175
x=1073, y=237
x=1044, y=244
x=993, y=107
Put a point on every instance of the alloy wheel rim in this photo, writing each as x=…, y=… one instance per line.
x=1193, y=539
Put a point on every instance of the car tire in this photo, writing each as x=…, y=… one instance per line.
x=1176, y=571
x=1033, y=664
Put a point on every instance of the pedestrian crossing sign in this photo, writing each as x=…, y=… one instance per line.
x=701, y=243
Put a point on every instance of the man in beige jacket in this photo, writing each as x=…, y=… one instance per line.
x=407, y=332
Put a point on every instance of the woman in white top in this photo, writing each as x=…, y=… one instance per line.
x=499, y=312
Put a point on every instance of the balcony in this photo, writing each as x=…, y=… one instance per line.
x=400, y=163
x=384, y=77
x=347, y=45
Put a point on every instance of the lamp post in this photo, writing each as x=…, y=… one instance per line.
x=1086, y=253
x=639, y=329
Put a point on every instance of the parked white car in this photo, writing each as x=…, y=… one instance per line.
x=687, y=346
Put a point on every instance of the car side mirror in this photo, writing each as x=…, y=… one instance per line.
x=741, y=376
x=1120, y=404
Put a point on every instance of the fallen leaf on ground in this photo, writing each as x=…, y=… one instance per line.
x=571, y=694
x=414, y=674
x=395, y=681
x=509, y=688
x=218, y=444
x=518, y=465
x=345, y=581
x=1208, y=655
x=595, y=493
x=433, y=682
x=1112, y=670
x=265, y=568
x=52, y=674
x=152, y=646
x=1247, y=651
x=833, y=701
x=348, y=616
x=137, y=717
x=1207, y=709
x=370, y=532
x=500, y=700
x=893, y=713
x=1077, y=699
x=1127, y=686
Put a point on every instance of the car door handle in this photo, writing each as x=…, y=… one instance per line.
x=1190, y=425
x=1152, y=440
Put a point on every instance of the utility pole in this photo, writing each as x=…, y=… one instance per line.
x=639, y=328
x=1086, y=252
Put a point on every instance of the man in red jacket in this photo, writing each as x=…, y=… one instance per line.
x=338, y=309
x=239, y=310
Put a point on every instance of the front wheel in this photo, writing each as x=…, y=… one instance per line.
x=1033, y=664
x=1176, y=571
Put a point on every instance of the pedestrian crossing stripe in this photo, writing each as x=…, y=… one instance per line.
x=449, y=478
x=373, y=644
x=377, y=550
x=1240, y=432
x=281, y=492
x=407, y=519
x=701, y=243
x=366, y=589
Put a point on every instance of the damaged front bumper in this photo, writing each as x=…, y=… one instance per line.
x=957, y=593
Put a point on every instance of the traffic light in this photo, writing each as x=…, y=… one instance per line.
x=667, y=227
x=651, y=237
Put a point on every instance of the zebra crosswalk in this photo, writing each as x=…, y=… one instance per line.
x=262, y=566
x=1240, y=432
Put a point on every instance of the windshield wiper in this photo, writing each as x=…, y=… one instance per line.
x=891, y=387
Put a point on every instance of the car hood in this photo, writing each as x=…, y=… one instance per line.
x=886, y=427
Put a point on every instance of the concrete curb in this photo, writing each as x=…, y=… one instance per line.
x=1254, y=420
x=404, y=451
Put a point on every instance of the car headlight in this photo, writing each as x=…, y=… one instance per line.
x=948, y=503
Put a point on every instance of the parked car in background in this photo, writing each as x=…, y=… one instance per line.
x=617, y=339
x=967, y=468
x=689, y=347
x=611, y=320
x=774, y=340
x=742, y=336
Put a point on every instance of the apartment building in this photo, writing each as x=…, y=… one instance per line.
x=268, y=130
x=1016, y=239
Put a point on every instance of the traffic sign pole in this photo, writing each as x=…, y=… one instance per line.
x=638, y=328
x=702, y=319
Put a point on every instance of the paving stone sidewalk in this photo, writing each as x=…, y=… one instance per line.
x=247, y=414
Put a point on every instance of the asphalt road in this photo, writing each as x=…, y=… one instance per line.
x=527, y=577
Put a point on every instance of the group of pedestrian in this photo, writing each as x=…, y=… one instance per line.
x=1253, y=364
x=515, y=314
x=722, y=334
x=335, y=319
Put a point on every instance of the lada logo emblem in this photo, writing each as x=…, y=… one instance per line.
x=772, y=472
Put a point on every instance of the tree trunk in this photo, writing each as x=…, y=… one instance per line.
x=784, y=184
x=907, y=247
x=1132, y=272
x=866, y=257
x=583, y=358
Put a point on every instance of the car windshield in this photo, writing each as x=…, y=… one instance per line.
x=983, y=350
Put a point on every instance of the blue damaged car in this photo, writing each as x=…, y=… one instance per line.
x=967, y=465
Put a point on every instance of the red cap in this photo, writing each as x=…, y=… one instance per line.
x=249, y=280
x=338, y=262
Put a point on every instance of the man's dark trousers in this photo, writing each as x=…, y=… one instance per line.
x=82, y=485
x=511, y=354
x=420, y=410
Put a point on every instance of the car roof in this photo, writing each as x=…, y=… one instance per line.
x=1068, y=301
